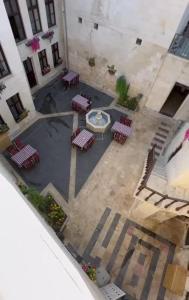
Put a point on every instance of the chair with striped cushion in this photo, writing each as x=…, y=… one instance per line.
x=126, y=121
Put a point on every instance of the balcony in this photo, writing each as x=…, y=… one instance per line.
x=180, y=46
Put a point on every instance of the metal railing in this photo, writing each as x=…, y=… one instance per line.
x=180, y=46
x=182, y=202
x=143, y=186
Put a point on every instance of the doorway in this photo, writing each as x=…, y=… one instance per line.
x=30, y=72
x=174, y=100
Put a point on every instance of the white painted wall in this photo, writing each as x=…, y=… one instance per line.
x=34, y=264
x=177, y=168
x=16, y=82
x=44, y=44
x=120, y=24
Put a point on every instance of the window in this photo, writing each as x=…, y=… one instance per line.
x=15, y=19
x=4, y=68
x=15, y=106
x=33, y=10
x=50, y=12
x=138, y=41
x=43, y=61
x=96, y=26
x=55, y=52
x=2, y=122
x=80, y=20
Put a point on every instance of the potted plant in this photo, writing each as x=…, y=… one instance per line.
x=47, y=207
x=23, y=115
x=122, y=89
x=2, y=87
x=3, y=128
x=91, y=61
x=90, y=271
x=46, y=70
x=48, y=35
x=111, y=69
x=34, y=43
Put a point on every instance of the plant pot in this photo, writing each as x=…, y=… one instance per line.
x=112, y=72
x=4, y=128
x=23, y=115
x=91, y=62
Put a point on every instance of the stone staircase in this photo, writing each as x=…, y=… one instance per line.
x=164, y=134
x=156, y=188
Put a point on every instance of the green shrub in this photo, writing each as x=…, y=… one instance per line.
x=122, y=89
x=46, y=205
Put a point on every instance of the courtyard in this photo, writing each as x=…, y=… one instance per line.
x=95, y=188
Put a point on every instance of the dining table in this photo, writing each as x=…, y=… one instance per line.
x=121, y=129
x=81, y=102
x=22, y=155
x=82, y=139
x=70, y=78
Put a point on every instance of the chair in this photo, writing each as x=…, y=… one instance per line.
x=78, y=130
x=18, y=144
x=89, y=144
x=12, y=150
x=121, y=139
x=124, y=120
x=66, y=84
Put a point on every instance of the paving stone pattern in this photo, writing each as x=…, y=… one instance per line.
x=136, y=236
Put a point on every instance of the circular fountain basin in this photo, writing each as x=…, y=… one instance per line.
x=97, y=120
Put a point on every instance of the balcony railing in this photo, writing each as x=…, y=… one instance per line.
x=165, y=200
x=180, y=46
x=157, y=198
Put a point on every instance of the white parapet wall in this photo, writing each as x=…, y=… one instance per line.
x=34, y=264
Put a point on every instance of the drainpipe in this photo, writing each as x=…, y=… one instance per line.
x=65, y=34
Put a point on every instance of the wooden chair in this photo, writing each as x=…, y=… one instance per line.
x=18, y=144
x=126, y=121
x=12, y=150
x=78, y=130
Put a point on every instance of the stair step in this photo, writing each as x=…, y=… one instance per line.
x=163, y=129
x=157, y=146
x=165, y=124
x=159, y=141
x=161, y=135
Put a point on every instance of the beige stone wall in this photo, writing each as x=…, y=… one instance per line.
x=114, y=43
x=174, y=69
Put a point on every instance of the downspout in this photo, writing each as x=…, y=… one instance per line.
x=65, y=34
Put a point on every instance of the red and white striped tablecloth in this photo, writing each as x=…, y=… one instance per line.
x=70, y=76
x=82, y=138
x=81, y=101
x=20, y=157
x=121, y=128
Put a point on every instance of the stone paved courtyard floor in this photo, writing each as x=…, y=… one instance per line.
x=100, y=188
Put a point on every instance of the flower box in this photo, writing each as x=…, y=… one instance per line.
x=2, y=87
x=90, y=271
x=47, y=207
x=4, y=128
x=23, y=115
x=48, y=35
x=46, y=70
x=34, y=43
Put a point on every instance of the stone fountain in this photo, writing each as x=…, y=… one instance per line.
x=97, y=120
